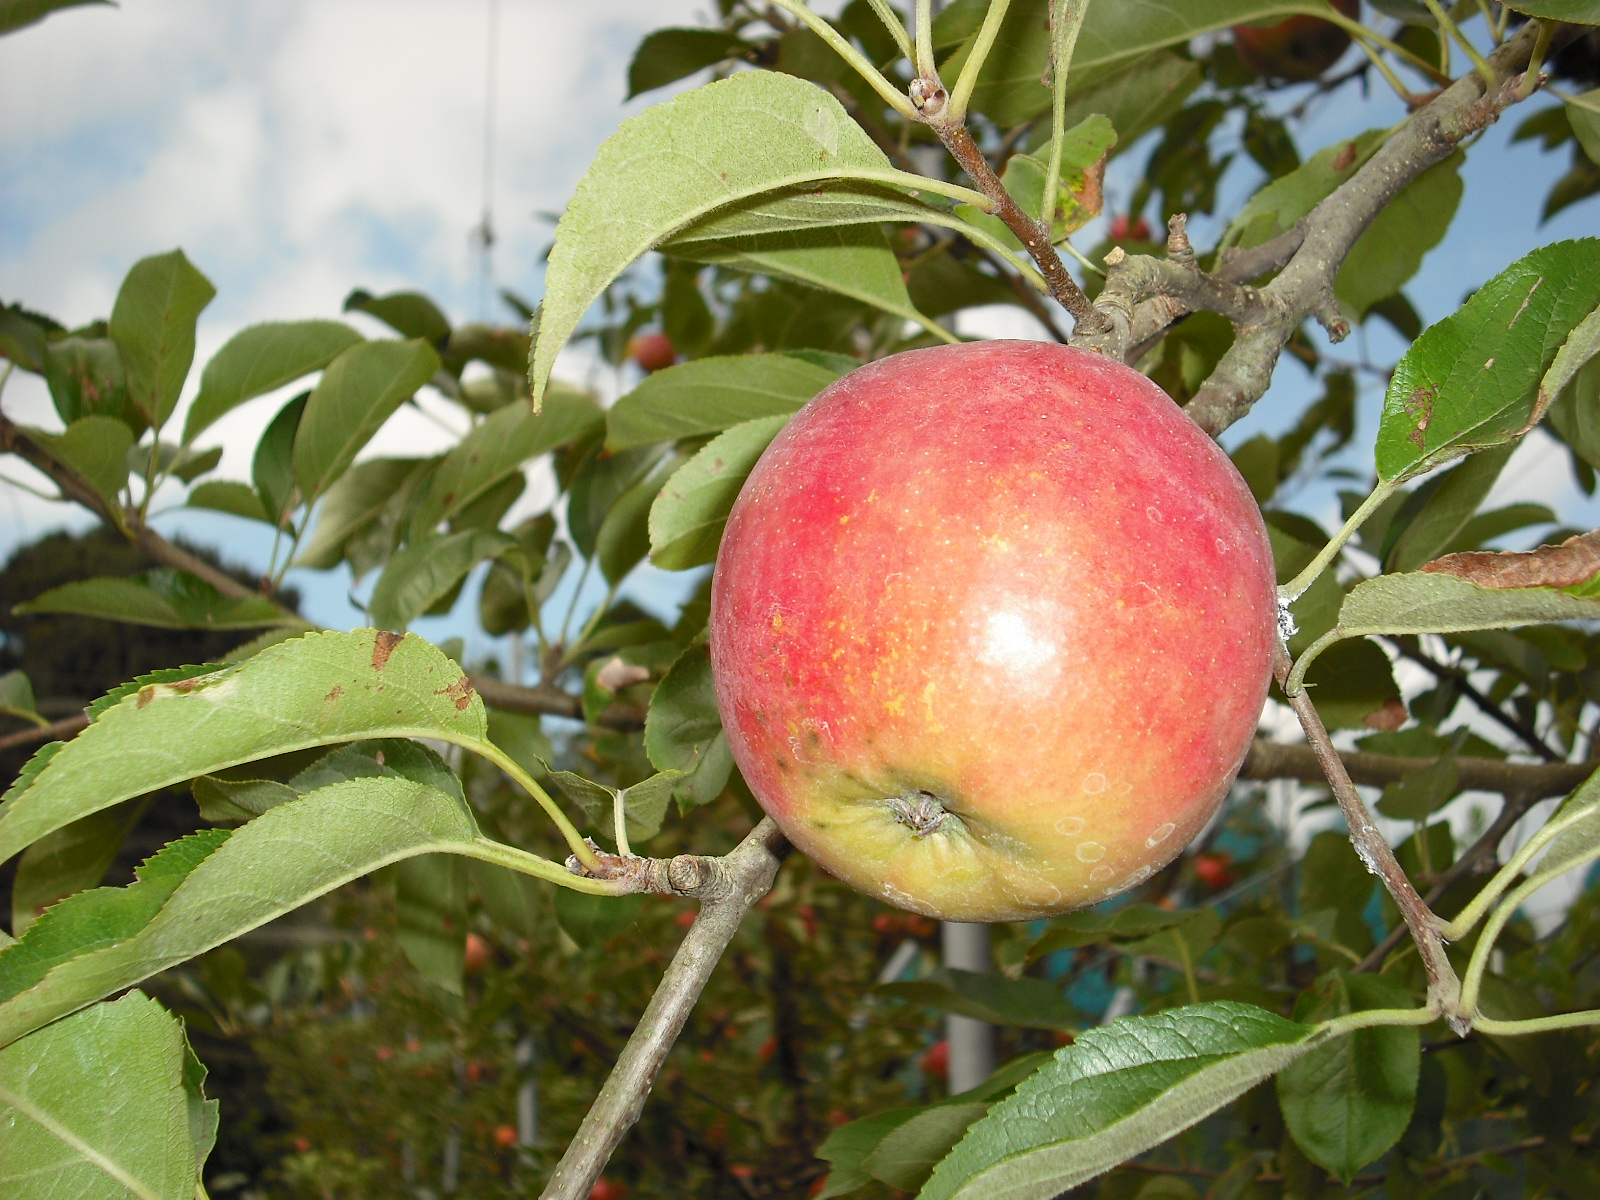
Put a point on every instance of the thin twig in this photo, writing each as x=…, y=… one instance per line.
x=1444, y=989
x=65, y=728
x=1525, y=732
x=728, y=888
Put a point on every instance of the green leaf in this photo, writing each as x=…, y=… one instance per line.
x=356, y=499
x=644, y=804
x=430, y=898
x=595, y=920
x=96, y=449
x=1026, y=1003
x=280, y=861
x=753, y=133
x=683, y=720
x=1135, y=98
x=668, y=55
x=688, y=516
x=410, y=314
x=316, y=690
x=1114, y=1093
x=1185, y=943
x=228, y=496
x=1577, y=843
x=1091, y=927
x=1010, y=90
x=14, y=14
x=426, y=571
x=203, y=1114
x=623, y=538
x=499, y=446
x=851, y=1146
x=1471, y=380
x=153, y=323
x=165, y=598
x=356, y=394
x=272, y=468
x=908, y=1154
x=1580, y=348
x=87, y=380
x=1580, y=12
x=99, y=1107
x=1584, y=121
x=1432, y=602
x=261, y=359
x=1419, y=795
x=102, y=917
x=1348, y=1101
x=72, y=859
x=1349, y=682
x=1283, y=201
x=16, y=696
x=600, y=481
x=852, y=260
x=1389, y=252
x=1441, y=508
x=713, y=394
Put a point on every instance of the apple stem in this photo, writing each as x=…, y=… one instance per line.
x=1444, y=988
x=729, y=887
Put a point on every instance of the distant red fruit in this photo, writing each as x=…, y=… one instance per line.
x=1214, y=870
x=741, y=1171
x=478, y=954
x=653, y=351
x=937, y=1060
x=1298, y=49
x=607, y=1189
x=768, y=1049
x=505, y=1136
x=1124, y=231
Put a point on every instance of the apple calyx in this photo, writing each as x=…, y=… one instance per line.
x=921, y=812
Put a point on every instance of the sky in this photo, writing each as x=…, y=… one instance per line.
x=298, y=149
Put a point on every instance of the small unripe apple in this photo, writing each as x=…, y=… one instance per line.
x=653, y=351
x=991, y=629
x=1298, y=49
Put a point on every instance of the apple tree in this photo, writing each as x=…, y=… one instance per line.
x=1370, y=1013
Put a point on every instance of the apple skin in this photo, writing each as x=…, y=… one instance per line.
x=1008, y=584
x=1296, y=50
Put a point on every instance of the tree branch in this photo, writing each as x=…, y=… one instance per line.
x=64, y=728
x=544, y=698
x=728, y=888
x=1538, y=781
x=1140, y=300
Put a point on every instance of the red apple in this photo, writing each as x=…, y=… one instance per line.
x=1214, y=870
x=478, y=954
x=937, y=1059
x=1122, y=230
x=991, y=629
x=606, y=1189
x=1298, y=49
x=653, y=351
x=505, y=1136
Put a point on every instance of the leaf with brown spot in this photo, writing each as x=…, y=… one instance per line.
x=384, y=646
x=1573, y=563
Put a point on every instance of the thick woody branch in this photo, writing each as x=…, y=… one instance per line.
x=1534, y=781
x=1140, y=302
x=728, y=888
